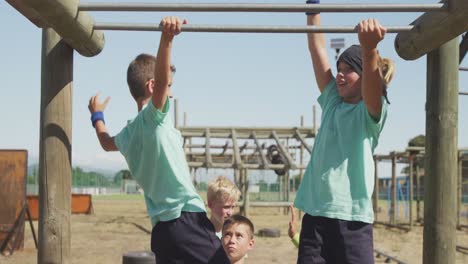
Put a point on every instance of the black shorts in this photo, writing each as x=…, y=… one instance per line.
x=189, y=239
x=327, y=240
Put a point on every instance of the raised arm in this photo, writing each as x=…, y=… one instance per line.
x=97, y=117
x=370, y=33
x=163, y=74
x=318, y=52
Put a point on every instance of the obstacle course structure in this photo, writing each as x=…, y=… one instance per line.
x=67, y=27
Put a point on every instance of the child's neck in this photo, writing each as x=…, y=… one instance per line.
x=142, y=102
x=218, y=226
x=240, y=261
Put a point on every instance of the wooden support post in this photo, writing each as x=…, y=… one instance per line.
x=185, y=119
x=314, y=112
x=393, y=206
x=244, y=210
x=432, y=29
x=55, y=150
x=176, y=113
x=376, y=189
x=208, y=159
x=301, y=158
x=459, y=187
x=237, y=158
x=411, y=194
x=441, y=154
x=418, y=194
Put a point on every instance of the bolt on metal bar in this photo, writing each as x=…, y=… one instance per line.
x=259, y=7
x=243, y=29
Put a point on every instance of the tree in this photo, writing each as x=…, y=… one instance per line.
x=417, y=141
x=122, y=175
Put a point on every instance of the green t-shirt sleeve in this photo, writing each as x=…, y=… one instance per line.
x=328, y=94
x=155, y=116
x=295, y=240
x=375, y=125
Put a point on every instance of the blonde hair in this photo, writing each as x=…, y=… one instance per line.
x=386, y=69
x=222, y=189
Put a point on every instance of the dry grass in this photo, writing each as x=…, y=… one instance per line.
x=113, y=230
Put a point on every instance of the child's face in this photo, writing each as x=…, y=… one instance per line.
x=237, y=241
x=221, y=210
x=348, y=83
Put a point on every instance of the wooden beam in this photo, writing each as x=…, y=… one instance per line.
x=284, y=151
x=264, y=163
x=299, y=137
x=28, y=12
x=244, y=146
x=208, y=160
x=432, y=29
x=75, y=27
x=245, y=132
x=237, y=158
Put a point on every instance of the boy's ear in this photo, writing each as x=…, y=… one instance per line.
x=149, y=86
x=210, y=204
x=251, y=243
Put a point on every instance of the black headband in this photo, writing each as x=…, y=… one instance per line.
x=353, y=57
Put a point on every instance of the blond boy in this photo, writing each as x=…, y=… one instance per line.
x=222, y=197
x=237, y=238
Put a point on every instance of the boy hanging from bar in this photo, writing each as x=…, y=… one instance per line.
x=152, y=147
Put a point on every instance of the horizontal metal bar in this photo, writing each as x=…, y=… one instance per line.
x=244, y=29
x=259, y=7
x=463, y=93
x=463, y=69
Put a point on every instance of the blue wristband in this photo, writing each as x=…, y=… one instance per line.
x=96, y=116
x=312, y=2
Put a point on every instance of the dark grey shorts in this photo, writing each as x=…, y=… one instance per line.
x=327, y=240
x=190, y=239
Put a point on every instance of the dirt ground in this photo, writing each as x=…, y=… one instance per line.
x=119, y=226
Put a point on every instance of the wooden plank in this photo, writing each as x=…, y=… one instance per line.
x=75, y=27
x=432, y=29
x=264, y=162
x=393, y=191
x=299, y=137
x=237, y=158
x=13, y=176
x=208, y=160
x=283, y=150
x=245, y=132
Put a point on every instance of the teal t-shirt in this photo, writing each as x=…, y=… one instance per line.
x=339, y=179
x=154, y=153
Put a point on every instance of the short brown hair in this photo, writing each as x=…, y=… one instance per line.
x=140, y=70
x=239, y=220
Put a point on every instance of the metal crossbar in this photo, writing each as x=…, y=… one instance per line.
x=244, y=29
x=258, y=7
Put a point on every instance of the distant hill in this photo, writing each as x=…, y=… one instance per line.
x=34, y=168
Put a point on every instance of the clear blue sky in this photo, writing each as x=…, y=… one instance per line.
x=222, y=79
